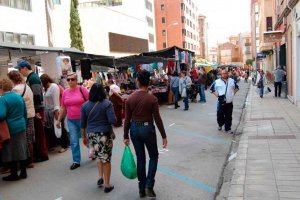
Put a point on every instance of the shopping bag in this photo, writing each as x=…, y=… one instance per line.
x=128, y=166
x=57, y=131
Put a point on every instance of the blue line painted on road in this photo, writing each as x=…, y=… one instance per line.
x=190, y=133
x=178, y=176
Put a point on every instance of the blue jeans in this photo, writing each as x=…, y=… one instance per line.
x=261, y=91
x=202, y=93
x=186, y=102
x=74, y=132
x=175, y=91
x=142, y=136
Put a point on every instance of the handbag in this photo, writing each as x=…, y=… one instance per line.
x=4, y=133
x=269, y=89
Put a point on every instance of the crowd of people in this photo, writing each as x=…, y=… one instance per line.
x=36, y=109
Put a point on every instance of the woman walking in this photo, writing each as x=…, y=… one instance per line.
x=24, y=90
x=117, y=101
x=174, y=85
x=141, y=108
x=97, y=117
x=72, y=100
x=184, y=83
x=261, y=83
x=13, y=110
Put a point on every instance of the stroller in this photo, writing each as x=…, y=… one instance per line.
x=192, y=92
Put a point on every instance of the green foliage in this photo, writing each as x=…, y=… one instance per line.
x=249, y=62
x=75, y=28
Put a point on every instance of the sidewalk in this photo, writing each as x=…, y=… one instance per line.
x=267, y=166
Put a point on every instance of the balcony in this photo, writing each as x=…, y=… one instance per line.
x=247, y=44
x=100, y=3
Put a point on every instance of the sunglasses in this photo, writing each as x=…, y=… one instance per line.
x=71, y=79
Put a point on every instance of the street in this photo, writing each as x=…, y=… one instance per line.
x=190, y=168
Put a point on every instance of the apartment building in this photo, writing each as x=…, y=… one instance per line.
x=203, y=36
x=177, y=24
x=245, y=47
x=254, y=28
x=109, y=27
x=213, y=55
x=229, y=54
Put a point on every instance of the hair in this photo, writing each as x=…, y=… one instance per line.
x=46, y=79
x=15, y=77
x=6, y=85
x=72, y=74
x=97, y=93
x=143, y=77
x=110, y=81
x=183, y=72
x=175, y=73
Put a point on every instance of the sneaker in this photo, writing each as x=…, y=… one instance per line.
x=220, y=128
x=109, y=189
x=74, y=166
x=229, y=131
x=150, y=193
x=62, y=150
x=100, y=182
x=11, y=178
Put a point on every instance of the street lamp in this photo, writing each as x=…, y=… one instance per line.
x=173, y=24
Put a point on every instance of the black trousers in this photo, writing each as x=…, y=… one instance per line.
x=224, y=115
x=278, y=86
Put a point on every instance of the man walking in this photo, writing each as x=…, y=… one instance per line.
x=35, y=84
x=202, y=83
x=224, y=89
x=278, y=75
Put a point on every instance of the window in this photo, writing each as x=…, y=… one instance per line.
x=56, y=2
x=148, y=5
x=188, y=45
x=184, y=32
x=164, y=32
x=164, y=45
x=9, y=37
x=151, y=38
x=182, y=6
x=18, y=4
x=149, y=21
x=163, y=20
x=269, y=24
x=24, y=38
x=183, y=19
x=17, y=38
x=162, y=7
x=1, y=37
x=191, y=25
x=183, y=44
x=30, y=40
x=187, y=21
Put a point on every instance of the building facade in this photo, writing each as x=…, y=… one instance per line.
x=229, y=53
x=254, y=28
x=109, y=27
x=203, y=36
x=213, y=55
x=245, y=47
x=177, y=24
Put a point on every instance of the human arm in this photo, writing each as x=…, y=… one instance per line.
x=3, y=109
x=236, y=87
x=159, y=123
x=110, y=114
x=55, y=98
x=62, y=114
x=127, y=120
x=213, y=89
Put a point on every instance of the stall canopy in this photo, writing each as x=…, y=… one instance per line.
x=166, y=53
x=136, y=60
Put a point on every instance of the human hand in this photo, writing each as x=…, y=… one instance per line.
x=38, y=115
x=58, y=124
x=85, y=141
x=127, y=142
x=165, y=143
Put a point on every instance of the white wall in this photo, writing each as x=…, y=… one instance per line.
x=27, y=22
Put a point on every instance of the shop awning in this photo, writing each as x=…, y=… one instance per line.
x=166, y=53
x=136, y=60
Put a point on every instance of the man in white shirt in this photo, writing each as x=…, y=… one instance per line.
x=224, y=89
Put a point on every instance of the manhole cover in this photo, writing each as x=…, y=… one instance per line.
x=266, y=118
x=273, y=137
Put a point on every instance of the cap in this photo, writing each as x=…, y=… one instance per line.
x=23, y=63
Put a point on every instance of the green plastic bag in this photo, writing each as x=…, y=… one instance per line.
x=128, y=166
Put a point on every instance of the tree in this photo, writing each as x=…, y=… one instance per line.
x=249, y=62
x=75, y=28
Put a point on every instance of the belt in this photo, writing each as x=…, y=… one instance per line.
x=142, y=123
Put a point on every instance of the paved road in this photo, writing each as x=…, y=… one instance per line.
x=189, y=170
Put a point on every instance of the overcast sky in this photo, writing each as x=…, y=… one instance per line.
x=225, y=18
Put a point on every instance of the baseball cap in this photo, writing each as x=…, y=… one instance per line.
x=23, y=63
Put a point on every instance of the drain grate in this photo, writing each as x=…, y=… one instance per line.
x=273, y=137
x=266, y=118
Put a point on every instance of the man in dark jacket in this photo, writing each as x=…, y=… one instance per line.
x=202, y=84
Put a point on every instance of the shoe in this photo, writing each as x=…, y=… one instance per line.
x=229, y=131
x=100, y=182
x=11, y=178
x=142, y=193
x=109, y=189
x=74, y=166
x=4, y=170
x=62, y=150
x=41, y=159
x=23, y=175
x=150, y=193
x=185, y=109
x=220, y=128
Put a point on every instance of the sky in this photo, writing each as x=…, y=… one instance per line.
x=225, y=18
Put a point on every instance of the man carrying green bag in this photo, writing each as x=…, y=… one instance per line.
x=128, y=166
x=141, y=109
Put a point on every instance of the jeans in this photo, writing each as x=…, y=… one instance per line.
x=142, y=136
x=74, y=131
x=175, y=90
x=278, y=85
x=202, y=93
x=224, y=115
x=261, y=91
x=186, y=102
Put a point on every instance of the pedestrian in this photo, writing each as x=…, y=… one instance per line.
x=117, y=101
x=174, y=85
x=261, y=83
x=278, y=78
x=96, y=119
x=224, y=89
x=141, y=108
x=202, y=84
x=72, y=100
x=24, y=90
x=34, y=82
x=185, y=83
x=52, y=93
x=13, y=111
